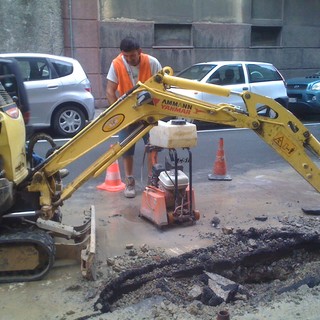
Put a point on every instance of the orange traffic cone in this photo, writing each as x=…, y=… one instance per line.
x=112, y=181
x=220, y=166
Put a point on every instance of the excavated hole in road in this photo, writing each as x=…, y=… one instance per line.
x=256, y=262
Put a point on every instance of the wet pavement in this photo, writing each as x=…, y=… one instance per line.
x=275, y=193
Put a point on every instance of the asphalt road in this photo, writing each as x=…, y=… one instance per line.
x=243, y=150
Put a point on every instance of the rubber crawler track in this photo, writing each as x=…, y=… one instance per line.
x=43, y=242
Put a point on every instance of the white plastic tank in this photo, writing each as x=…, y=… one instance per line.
x=174, y=134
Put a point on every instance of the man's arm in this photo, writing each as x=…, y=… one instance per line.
x=111, y=91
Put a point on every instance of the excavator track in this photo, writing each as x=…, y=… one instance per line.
x=25, y=255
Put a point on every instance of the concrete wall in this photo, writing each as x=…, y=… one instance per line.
x=220, y=30
x=82, y=41
x=31, y=26
x=300, y=40
x=174, y=11
x=177, y=32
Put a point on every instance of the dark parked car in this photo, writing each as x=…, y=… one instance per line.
x=304, y=95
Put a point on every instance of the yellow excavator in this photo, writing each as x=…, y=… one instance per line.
x=30, y=198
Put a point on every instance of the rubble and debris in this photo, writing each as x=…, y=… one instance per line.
x=227, y=230
x=215, y=221
x=261, y=218
x=227, y=272
x=315, y=211
x=223, y=315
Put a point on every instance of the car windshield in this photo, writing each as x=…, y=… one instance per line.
x=196, y=72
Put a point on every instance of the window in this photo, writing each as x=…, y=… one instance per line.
x=267, y=10
x=8, y=81
x=258, y=73
x=5, y=98
x=62, y=68
x=265, y=36
x=173, y=35
x=25, y=69
x=196, y=72
x=34, y=69
x=228, y=74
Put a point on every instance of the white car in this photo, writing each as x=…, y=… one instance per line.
x=58, y=90
x=257, y=77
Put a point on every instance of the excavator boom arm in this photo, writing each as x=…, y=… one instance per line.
x=152, y=101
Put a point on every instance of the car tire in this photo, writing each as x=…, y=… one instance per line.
x=68, y=121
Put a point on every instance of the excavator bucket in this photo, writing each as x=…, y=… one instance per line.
x=88, y=253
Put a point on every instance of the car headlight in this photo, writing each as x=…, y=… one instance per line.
x=316, y=86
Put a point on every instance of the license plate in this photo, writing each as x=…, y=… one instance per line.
x=292, y=99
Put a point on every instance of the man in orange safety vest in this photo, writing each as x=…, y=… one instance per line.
x=129, y=67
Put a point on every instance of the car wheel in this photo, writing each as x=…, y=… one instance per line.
x=68, y=121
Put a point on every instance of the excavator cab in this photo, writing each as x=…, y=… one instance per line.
x=29, y=244
x=13, y=166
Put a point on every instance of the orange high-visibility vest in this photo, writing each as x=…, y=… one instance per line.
x=124, y=81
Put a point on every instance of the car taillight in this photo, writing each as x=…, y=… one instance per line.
x=26, y=117
x=87, y=85
x=12, y=111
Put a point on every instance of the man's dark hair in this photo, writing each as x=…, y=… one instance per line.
x=129, y=44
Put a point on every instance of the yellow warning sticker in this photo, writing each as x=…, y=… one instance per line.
x=113, y=122
x=284, y=144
